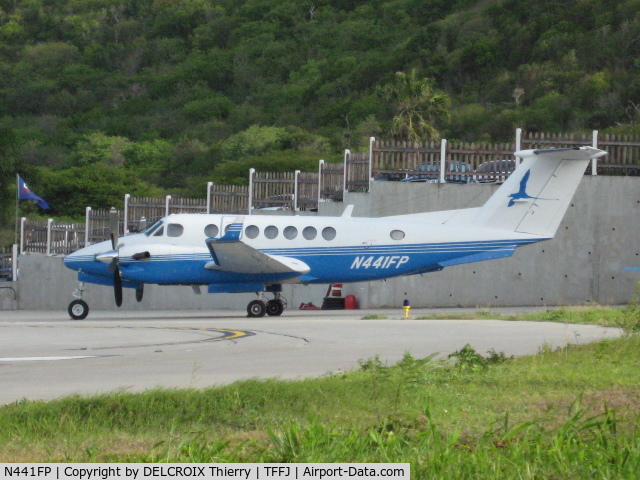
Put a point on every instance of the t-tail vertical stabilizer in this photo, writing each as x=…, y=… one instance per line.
x=536, y=196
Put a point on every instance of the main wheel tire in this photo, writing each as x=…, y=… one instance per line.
x=78, y=310
x=257, y=308
x=275, y=308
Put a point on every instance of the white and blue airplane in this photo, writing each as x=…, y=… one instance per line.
x=260, y=253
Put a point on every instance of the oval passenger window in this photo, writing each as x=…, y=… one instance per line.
x=397, y=234
x=329, y=233
x=309, y=233
x=252, y=231
x=290, y=233
x=271, y=232
x=211, y=230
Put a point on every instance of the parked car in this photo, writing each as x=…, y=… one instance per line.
x=495, y=171
x=276, y=202
x=453, y=166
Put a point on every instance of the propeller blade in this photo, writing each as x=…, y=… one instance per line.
x=113, y=241
x=139, y=293
x=117, y=286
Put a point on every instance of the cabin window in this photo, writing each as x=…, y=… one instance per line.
x=309, y=233
x=329, y=233
x=211, y=230
x=252, y=231
x=290, y=233
x=153, y=228
x=397, y=234
x=174, y=230
x=271, y=232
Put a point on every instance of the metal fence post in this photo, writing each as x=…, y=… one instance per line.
x=49, y=222
x=518, y=144
x=209, y=187
x=252, y=172
x=126, y=214
x=347, y=154
x=14, y=262
x=443, y=159
x=113, y=224
x=320, y=165
x=594, y=161
x=22, y=222
x=372, y=140
x=87, y=220
x=167, y=200
x=296, y=177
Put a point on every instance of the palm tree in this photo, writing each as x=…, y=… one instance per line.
x=419, y=107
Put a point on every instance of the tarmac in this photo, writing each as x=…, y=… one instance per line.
x=44, y=355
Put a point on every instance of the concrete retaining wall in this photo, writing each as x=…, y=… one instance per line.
x=598, y=237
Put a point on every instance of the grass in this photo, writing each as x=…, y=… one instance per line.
x=627, y=317
x=568, y=413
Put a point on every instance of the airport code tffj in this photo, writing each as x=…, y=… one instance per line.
x=234, y=471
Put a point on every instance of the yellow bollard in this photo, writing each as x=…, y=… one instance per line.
x=406, y=307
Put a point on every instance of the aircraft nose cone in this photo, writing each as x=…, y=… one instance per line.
x=107, y=257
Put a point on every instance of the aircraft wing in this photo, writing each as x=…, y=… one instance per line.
x=230, y=254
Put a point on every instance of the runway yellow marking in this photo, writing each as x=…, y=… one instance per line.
x=226, y=335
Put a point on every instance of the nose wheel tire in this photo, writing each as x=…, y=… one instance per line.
x=275, y=308
x=257, y=308
x=78, y=310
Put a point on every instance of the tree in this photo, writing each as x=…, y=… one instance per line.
x=418, y=106
x=97, y=185
x=8, y=165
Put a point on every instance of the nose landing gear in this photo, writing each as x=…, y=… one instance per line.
x=78, y=309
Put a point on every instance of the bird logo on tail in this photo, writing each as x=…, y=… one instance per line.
x=522, y=194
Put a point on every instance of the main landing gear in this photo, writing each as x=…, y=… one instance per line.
x=273, y=308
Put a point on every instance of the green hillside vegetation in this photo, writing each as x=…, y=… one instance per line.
x=169, y=94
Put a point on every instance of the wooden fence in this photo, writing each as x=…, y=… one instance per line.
x=151, y=208
x=404, y=160
x=273, y=190
x=49, y=238
x=464, y=162
x=229, y=199
x=399, y=160
x=308, y=191
x=332, y=182
x=357, y=171
x=623, y=151
x=6, y=262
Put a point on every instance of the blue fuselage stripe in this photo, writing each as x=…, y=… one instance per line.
x=328, y=265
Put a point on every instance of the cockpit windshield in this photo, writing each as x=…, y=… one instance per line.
x=149, y=231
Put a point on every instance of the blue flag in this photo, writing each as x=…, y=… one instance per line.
x=26, y=194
